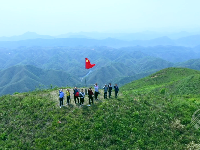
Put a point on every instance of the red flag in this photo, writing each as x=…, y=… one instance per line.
x=88, y=65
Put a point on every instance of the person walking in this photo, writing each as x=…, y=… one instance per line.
x=68, y=96
x=96, y=89
x=105, y=91
x=90, y=95
x=116, y=90
x=61, y=96
x=76, y=94
x=109, y=90
x=82, y=95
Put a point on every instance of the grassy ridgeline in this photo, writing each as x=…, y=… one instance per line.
x=149, y=114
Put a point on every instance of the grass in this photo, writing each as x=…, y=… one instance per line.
x=155, y=119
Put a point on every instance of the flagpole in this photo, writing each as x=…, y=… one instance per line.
x=86, y=87
x=88, y=65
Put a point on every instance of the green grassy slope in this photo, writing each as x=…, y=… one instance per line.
x=124, y=80
x=140, y=118
x=167, y=78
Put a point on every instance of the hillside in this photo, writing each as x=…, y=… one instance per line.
x=135, y=67
x=192, y=64
x=112, y=65
x=28, y=78
x=116, y=64
x=174, y=80
x=140, y=118
x=169, y=53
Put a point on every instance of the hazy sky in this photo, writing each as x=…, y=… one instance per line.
x=55, y=17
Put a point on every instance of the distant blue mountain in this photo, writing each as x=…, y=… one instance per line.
x=25, y=36
x=30, y=39
x=145, y=35
x=192, y=40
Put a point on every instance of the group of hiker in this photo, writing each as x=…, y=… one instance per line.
x=81, y=94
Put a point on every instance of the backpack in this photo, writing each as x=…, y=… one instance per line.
x=77, y=94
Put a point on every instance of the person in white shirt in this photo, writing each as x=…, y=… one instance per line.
x=96, y=89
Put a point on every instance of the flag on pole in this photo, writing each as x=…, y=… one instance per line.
x=88, y=65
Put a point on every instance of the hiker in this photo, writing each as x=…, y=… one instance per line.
x=82, y=95
x=68, y=96
x=116, y=90
x=96, y=89
x=105, y=91
x=90, y=95
x=76, y=94
x=61, y=96
x=109, y=90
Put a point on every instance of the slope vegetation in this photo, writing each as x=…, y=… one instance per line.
x=192, y=64
x=144, y=116
x=174, y=80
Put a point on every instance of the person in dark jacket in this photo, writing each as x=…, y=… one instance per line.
x=61, y=96
x=116, y=90
x=82, y=95
x=109, y=90
x=76, y=96
x=90, y=95
x=105, y=91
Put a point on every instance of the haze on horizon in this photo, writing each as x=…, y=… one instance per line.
x=57, y=17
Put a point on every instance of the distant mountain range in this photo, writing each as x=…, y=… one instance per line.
x=30, y=39
x=25, y=69
x=145, y=35
x=26, y=36
x=110, y=68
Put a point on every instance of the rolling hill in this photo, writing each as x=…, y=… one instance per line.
x=174, y=81
x=136, y=67
x=144, y=116
x=111, y=64
x=192, y=64
x=28, y=78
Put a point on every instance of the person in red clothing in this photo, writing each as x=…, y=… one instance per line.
x=90, y=95
x=75, y=96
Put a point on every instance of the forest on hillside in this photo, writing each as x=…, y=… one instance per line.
x=24, y=69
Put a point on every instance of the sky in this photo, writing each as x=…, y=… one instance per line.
x=56, y=17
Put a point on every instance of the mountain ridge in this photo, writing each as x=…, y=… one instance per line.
x=28, y=78
x=190, y=41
